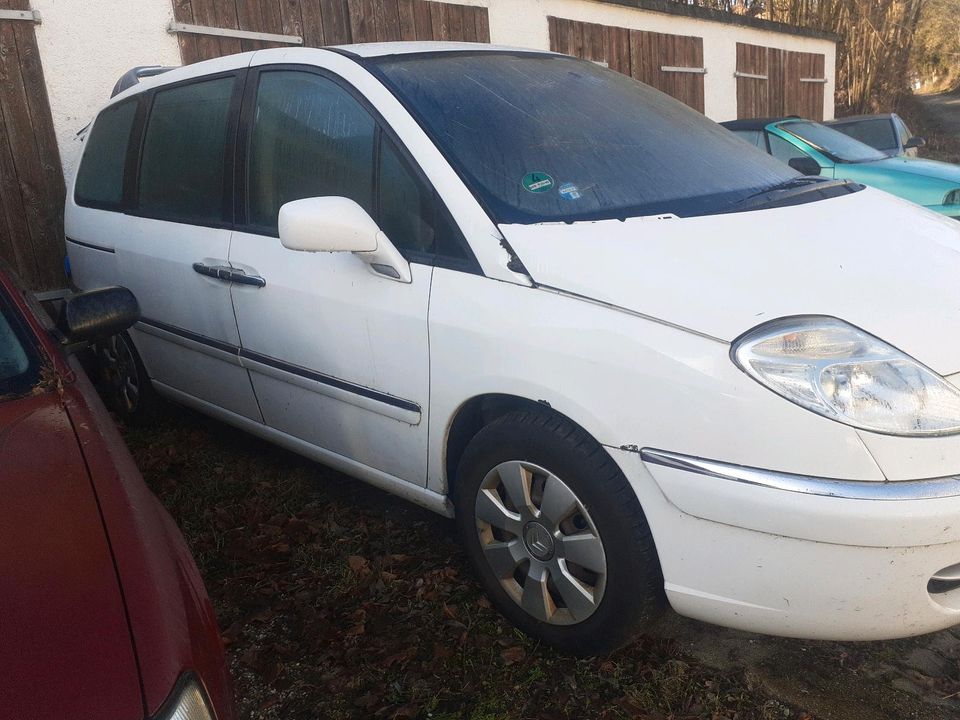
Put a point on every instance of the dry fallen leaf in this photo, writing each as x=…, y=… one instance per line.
x=513, y=655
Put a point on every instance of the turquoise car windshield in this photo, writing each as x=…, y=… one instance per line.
x=837, y=146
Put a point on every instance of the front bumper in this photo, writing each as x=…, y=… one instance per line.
x=801, y=556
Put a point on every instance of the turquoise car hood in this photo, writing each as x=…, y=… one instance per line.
x=919, y=166
x=925, y=182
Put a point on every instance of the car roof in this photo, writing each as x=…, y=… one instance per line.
x=756, y=123
x=383, y=49
x=150, y=77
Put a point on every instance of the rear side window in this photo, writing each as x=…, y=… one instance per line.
x=754, y=137
x=182, y=165
x=100, y=178
x=310, y=138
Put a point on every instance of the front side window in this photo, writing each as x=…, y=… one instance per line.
x=19, y=363
x=902, y=130
x=783, y=150
x=835, y=145
x=182, y=165
x=310, y=138
x=100, y=177
x=541, y=138
x=406, y=205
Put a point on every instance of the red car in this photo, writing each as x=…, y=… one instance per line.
x=103, y=614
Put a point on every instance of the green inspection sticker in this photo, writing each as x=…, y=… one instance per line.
x=537, y=182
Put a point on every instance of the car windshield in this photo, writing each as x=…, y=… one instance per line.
x=18, y=360
x=837, y=146
x=541, y=138
x=875, y=132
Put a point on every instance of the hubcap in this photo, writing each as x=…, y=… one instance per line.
x=540, y=542
x=120, y=370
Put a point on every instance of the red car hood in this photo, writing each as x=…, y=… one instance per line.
x=66, y=648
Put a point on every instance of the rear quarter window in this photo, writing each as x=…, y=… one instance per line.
x=100, y=177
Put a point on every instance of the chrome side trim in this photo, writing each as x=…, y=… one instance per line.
x=932, y=489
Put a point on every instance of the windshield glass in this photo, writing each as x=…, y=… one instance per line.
x=542, y=138
x=837, y=146
x=877, y=132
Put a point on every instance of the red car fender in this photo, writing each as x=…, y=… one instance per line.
x=172, y=621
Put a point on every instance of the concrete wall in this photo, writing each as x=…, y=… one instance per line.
x=524, y=23
x=86, y=45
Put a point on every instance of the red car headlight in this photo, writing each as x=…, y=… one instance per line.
x=187, y=702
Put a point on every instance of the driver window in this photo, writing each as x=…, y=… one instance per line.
x=310, y=138
x=784, y=151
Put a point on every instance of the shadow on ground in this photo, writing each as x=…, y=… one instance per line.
x=337, y=600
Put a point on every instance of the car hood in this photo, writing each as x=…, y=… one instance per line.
x=868, y=258
x=66, y=649
x=918, y=166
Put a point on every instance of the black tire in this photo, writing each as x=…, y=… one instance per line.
x=632, y=597
x=124, y=382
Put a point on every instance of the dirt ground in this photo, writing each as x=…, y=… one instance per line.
x=936, y=118
x=337, y=600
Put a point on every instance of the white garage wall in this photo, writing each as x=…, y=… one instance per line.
x=86, y=45
x=524, y=23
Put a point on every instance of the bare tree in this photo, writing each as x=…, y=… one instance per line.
x=876, y=38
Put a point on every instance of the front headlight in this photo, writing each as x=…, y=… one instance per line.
x=187, y=702
x=843, y=373
x=952, y=197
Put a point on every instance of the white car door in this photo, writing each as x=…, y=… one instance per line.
x=172, y=248
x=338, y=354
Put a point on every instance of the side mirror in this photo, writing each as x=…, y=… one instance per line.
x=805, y=165
x=97, y=314
x=915, y=142
x=327, y=224
x=338, y=224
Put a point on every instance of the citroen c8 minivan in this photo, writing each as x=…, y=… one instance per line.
x=638, y=360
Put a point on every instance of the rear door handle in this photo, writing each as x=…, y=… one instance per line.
x=229, y=274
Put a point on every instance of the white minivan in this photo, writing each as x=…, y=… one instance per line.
x=638, y=360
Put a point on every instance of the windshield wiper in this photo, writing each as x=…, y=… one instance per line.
x=795, y=191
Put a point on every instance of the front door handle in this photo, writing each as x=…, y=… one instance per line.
x=229, y=274
x=239, y=276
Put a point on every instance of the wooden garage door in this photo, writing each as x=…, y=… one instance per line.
x=31, y=176
x=671, y=63
x=772, y=82
x=325, y=22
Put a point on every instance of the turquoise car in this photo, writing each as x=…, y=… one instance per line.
x=815, y=149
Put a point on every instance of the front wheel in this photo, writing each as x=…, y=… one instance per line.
x=124, y=380
x=556, y=534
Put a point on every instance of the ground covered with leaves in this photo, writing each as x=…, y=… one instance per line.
x=338, y=601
